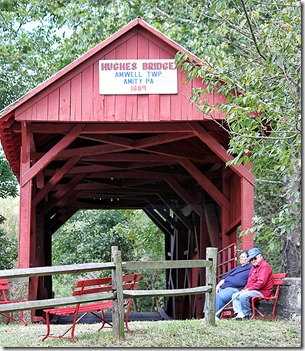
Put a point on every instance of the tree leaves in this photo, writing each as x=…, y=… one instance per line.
x=8, y=181
x=260, y=45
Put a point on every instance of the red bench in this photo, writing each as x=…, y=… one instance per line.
x=4, y=286
x=91, y=286
x=277, y=282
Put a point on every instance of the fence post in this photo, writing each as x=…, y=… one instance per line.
x=211, y=255
x=117, y=285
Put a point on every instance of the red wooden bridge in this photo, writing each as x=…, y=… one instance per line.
x=115, y=130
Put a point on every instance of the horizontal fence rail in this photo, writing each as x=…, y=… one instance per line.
x=167, y=264
x=171, y=292
x=54, y=270
x=60, y=301
x=118, y=294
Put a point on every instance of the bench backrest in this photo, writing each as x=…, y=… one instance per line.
x=4, y=285
x=130, y=281
x=91, y=286
x=97, y=285
x=277, y=282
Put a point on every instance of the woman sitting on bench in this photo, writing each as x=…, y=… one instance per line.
x=232, y=282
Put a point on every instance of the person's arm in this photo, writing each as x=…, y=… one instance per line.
x=232, y=272
x=219, y=285
x=249, y=281
x=261, y=278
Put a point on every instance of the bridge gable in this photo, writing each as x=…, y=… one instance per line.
x=72, y=95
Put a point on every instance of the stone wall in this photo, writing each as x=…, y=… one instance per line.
x=290, y=298
x=289, y=303
x=18, y=291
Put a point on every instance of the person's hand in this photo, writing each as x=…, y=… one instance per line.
x=219, y=285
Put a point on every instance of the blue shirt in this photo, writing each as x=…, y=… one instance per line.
x=237, y=277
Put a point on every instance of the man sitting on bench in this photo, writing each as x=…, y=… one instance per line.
x=260, y=283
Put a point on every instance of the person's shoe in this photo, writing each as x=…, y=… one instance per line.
x=239, y=315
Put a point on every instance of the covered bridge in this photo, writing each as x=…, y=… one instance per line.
x=115, y=130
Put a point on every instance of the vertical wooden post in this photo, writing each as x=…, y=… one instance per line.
x=247, y=213
x=117, y=286
x=25, y=238
x=225, y=213
x=211, y=255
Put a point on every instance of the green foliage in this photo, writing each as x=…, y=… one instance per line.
x=254, y=59
x=9, y=232
x=10, y=210
x=148, y=240
x=8, y=249
x=88, y=237
x=27, y=39
x=148, y=245
x=8, y=187
x=8, y=181
x=39, y=38
x=265, y=83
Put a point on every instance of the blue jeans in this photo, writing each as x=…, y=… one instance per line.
x=241, y=303
x=223, y=297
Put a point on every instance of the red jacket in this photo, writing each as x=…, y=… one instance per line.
x=260, y=278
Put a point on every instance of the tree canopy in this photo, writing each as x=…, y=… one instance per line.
x=254, y=59
x=8, y=187
x=250, y=51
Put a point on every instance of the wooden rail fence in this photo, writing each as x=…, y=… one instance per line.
x=118, y=294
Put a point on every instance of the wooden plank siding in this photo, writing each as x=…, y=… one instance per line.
x=75, y=96
x=153, y=99
x=142, y=99
x=64, y=101
x=120, y=100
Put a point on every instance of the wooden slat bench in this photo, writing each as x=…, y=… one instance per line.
x=277, y=282
x=4, y=286
x=92, y=286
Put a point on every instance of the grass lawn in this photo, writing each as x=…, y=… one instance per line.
x=187, y=333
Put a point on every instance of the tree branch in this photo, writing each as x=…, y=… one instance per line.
x=252, y=33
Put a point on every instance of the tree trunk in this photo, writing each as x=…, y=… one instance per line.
x=291, y=241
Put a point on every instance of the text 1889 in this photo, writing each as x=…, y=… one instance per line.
x=138, y=87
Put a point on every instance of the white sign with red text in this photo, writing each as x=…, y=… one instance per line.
x=138, y=77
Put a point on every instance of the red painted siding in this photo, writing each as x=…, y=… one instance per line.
x=235, y=197
x=75, y=96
